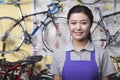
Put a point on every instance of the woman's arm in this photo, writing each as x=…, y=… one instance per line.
x=57, y=77
x=105, y=78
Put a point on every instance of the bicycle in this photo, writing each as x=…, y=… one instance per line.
x=107, y=38
x=46, y=70
x=12, y=40
x=15, y=70
x=18, y=69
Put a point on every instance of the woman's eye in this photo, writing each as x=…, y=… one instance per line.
x=84, y=23
x=73, y=22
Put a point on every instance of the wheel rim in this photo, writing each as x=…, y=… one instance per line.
x=15, y=36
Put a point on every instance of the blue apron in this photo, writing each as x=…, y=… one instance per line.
x=80, y=69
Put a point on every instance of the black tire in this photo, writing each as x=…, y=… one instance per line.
x=14, y=35
x=42, y=77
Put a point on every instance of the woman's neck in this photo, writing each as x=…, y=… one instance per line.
x=78, y=45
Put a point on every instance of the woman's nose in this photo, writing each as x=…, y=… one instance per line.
x=78, y=26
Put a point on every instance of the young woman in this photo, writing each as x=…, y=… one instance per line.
x=81, y=59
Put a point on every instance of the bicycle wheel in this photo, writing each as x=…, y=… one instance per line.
x=98, y=35
x=40, y=76
x=55, y=37
x=89, y=2
x=11, y=36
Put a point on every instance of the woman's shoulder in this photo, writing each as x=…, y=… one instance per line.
x=99, y=49
x=101, y=52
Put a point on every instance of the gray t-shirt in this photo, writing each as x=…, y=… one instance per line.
x=102, y=58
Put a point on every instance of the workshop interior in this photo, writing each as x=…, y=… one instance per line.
x=31, y=31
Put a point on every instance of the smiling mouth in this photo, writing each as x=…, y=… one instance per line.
x=78, y=33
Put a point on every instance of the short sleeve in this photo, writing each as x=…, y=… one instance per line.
x=54, y=66
x=107, y=66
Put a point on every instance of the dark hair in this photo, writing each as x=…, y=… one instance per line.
x=83, y=9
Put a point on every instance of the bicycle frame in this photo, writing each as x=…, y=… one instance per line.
x=49, y=13
x=110, y=39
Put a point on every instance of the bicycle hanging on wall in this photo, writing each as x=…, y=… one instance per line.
x=109, y=39
x=14, y=34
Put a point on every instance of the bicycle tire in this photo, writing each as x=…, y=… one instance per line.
x=42, y=77
x=53, y=38
x=98, y=35
x=15, y=35
x=89, y=2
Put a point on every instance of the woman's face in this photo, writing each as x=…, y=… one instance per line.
x=79, y=25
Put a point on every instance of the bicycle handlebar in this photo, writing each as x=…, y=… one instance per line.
x=54, y=7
